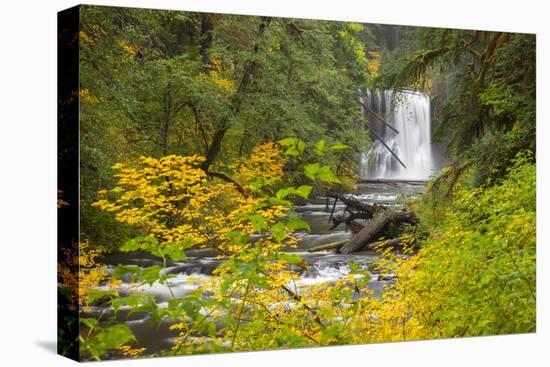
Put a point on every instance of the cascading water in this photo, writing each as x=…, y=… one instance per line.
x=407, y=112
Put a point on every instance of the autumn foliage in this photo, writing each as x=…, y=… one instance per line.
x=253, y=301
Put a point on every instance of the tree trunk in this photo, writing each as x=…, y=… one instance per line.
x=214, y=148
x=246, y=80
x=207, y=27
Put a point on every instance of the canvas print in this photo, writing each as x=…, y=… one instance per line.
x=234, y=183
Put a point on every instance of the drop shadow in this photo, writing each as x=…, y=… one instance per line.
x=48, y=345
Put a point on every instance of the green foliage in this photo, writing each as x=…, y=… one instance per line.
x=297, y=224
x=482, y=85
x=302, y=191
x=94, y=295
x=323, y=173
x=151, y=245
x=104, y=339
x=294, y=146
x=164, y=82
x=476, y=274
x=148, y=275
x=136, y=302
x=340, y=147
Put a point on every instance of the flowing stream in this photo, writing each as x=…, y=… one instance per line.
x=325, y=266
x=388, y=181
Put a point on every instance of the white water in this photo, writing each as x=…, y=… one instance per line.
x=323, y=267
x=410, y=116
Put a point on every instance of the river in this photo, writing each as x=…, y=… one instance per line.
x=325, y=266
x=407, y=132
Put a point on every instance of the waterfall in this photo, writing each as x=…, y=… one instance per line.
x=409, y=113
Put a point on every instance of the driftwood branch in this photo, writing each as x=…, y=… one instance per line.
x=382, y=120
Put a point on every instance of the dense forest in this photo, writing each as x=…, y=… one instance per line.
x=204, y=136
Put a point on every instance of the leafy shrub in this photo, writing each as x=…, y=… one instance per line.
x=475, y=274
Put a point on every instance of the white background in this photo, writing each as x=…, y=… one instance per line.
x=28, y=182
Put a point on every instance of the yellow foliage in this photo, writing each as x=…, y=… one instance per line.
x=374, y=62
x=265, y=161
x=215, y=74
x=225, y=84
x=81, y=272
x=216, y=65
x=83, y=37
x=129, y=50
x=130, y=352
x=87, y=97
x=172, y=199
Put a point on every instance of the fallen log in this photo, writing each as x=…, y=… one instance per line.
x=328, y=246
x=355, y=227
x=367, y=222
x=374, y=226
x=333, y=208
x=352, y=204
x=348, y=219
